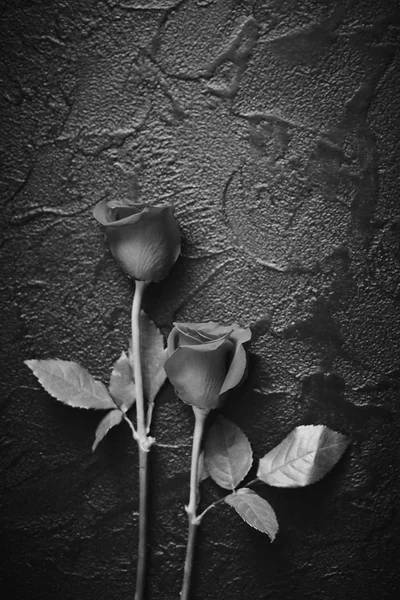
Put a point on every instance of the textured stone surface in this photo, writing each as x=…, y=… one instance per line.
x=273, y=126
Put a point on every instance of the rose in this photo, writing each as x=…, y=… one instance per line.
x=144, y=240
x=205, y=361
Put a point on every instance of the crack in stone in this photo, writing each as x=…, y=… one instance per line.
x=21, y=186
x=40, y=211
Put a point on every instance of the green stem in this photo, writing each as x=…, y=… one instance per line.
x=143, y=504
x=252, y=482
x=142, y=440
x=213, y=505
x=200, y=418
x=131, y=426
x=137, y=366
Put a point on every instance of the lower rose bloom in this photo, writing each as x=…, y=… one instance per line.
x=205, y=361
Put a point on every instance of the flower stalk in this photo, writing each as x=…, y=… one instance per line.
x=193, y=522
x=143, y=441
x=145, y=241
x=205, y=361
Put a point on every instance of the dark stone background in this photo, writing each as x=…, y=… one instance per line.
x=273, y=127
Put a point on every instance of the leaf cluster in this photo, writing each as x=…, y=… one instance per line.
x=70, y=383
x=306, y=455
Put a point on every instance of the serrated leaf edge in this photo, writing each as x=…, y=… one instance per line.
x=98, y=439
x=344, y=440
x=231, y=486
x=245, y=491
x=30, y=362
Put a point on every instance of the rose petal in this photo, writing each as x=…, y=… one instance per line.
x=189, y=337
x=115, y=217
x=102, y=213
x=173, y=340
x=198, y=373
x=208, y=346
x=238, y=365
x=241, y=334
x=126, y=203
x=179, y=337
x=122, y=217
x=210, y=329
x=122, y=214
x=236, y=370
x=191, y=334
x=147, y=244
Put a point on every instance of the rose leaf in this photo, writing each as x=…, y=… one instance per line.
x=122, y=385
x=112, y=418
x=202, y=472
x=256, y=511
x=70, y=383
x=307, y=454
x=153, y=357
x=227, y=453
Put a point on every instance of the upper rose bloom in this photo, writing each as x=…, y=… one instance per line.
x=206, y=360
x=144, y=240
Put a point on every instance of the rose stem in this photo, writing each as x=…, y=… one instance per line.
x=142, y=440
x=200, y=418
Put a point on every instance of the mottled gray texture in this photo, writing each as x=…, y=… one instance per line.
x=273, y=126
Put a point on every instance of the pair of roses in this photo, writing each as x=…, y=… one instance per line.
x=205, y=360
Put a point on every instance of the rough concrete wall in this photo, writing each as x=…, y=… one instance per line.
x=273, y=127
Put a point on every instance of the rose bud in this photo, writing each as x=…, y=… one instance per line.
x=144, y=240
x=205, y=361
